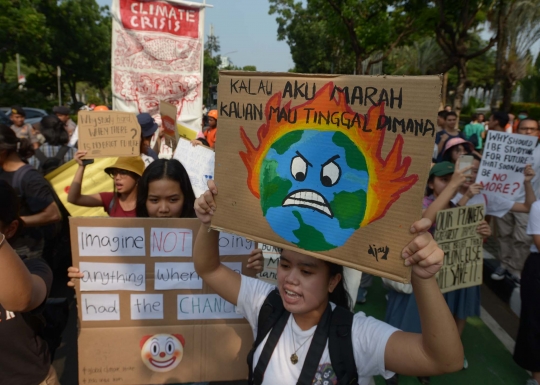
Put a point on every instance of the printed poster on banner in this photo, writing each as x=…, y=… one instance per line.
x=145, y=315
x=157, y=55
x=503, y=162
x=462, y=245
x=330, y=166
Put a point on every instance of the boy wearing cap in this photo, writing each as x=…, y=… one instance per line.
x=62, y=113
x=450, y=131
x=22, y=129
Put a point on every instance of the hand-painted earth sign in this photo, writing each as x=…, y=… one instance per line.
x=308, y=162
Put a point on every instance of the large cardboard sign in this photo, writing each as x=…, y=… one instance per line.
x=145, y=315
x=332, y=166
x=503, y=161
x=157, y=55
x=109, y=133
x=198, y=162
x=462, y=245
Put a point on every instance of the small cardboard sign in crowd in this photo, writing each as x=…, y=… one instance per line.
x=146, y=317
x=109, y=133
x=462, y=245
x=503, y=161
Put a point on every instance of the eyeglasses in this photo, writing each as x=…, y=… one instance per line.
x=117, y=171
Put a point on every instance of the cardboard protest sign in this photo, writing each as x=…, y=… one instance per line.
x=198, y=162
x=332, y=166
x=168, y=114
x=503, y=161
x=462, y=245
x=109, y=133
x=271, y=256
x=145, y=315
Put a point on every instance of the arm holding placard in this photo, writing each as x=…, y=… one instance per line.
x=530, y=196
x=474, y=189
x=443, y=200
x=74, y=195
x=438, y=349
x=224, y=281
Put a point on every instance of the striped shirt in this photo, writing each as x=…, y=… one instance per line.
x=50, y=151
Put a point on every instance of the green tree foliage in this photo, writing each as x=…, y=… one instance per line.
x=80, y=41
x=212, y=61
x=530, y=85
x=22, y=30
x=338, y=36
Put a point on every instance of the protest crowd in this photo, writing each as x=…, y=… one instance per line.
x=164, y=252
x=35, y=263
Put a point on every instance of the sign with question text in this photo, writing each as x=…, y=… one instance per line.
x=146, y=317
x=463, y=247
x=109, y=134
x=503, y=162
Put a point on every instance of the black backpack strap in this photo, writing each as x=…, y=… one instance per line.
x=62, y=152
x=269, y=346
x=269, y=314
x=16, y=183
x=40, y=156
x=316, y=348
x=340, y=346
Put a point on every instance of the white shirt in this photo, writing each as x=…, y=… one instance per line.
x=533, y=227
x=369, y=342
x=519, y=196
x=495, y=205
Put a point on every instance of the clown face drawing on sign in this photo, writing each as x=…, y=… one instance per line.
x=162, y=352
x=320, y=178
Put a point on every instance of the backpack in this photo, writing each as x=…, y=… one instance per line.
x=49, y=164
x=335, y=327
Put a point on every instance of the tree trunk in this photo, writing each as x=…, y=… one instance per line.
x=444, y=90
x=358, y=69
x=500, y=58
x=3, y=73
x=460, y=89
x=72, y=90
x=507, y=91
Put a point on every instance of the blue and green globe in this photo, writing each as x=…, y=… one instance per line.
x=313, y=188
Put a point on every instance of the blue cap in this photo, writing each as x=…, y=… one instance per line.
x=147, y=123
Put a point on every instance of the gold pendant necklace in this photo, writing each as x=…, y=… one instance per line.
x=294, y=357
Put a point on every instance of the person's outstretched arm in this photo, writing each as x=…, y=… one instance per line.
x=74, y=195
x=530, y=196
x=219, y=277
x=19, y=290
x=438, y=349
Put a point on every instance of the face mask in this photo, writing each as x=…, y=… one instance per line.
x=522, y=116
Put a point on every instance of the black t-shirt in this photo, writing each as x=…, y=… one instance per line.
x=35, y=194
x=24, y=356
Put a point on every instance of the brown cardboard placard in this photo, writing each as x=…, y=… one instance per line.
x=462, y=245
x=332, y=166
x=109, y=133
x=124, y=309
x=168, y=112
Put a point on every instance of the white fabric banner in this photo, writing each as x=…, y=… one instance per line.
x=157, y=54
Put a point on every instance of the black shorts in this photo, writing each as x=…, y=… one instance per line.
x=527, y=351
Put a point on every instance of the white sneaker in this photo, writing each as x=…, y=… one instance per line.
x=499, y=274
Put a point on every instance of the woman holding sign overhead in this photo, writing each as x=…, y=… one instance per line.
x=307, y=345
x=126, y=173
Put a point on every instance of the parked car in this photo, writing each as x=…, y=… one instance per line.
x=33, y=115
x=4, y=119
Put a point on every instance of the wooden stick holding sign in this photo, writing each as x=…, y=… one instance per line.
x=109, y=133
x=462, y=245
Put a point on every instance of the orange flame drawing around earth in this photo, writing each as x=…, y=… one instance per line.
x=387, y=177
